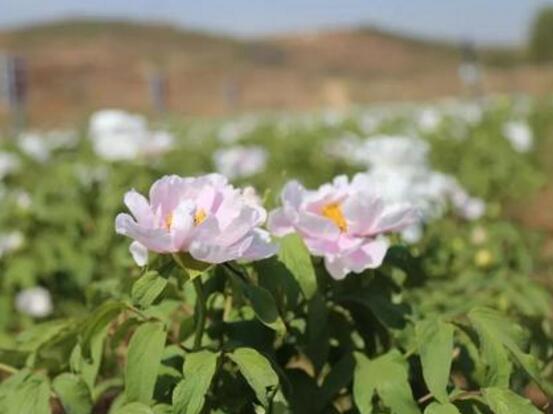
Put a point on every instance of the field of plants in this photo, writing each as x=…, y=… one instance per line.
x=374, y=260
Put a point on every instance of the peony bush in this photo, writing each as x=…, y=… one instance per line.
x=196, y=293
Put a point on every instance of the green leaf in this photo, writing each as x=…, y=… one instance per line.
x=147, y=289
x=257, y=370
x=318, y=342
x=364, y=384
x=191, y=266
x=73, y=393
x=143, y=361
x=435, y=346
x=496, y=331
x=264, y=307
x=445, y=408
x=503, y=401
x=96, y=322
x=30, y=397
x=134, y=408
x=338, y=379
x=189, y=394
x=387, y=374
x=295, y=256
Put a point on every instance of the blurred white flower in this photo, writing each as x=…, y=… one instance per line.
x=9, y=163
x=34, y=145
x=235, y=130
x=35, y=302
x=117, y=135
x=519, y=134
x=240, y=162
x=429, y=119
x=10, y=242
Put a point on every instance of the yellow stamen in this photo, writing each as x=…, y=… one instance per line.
x=333, y=212
x=168, y=221
x=199, y=217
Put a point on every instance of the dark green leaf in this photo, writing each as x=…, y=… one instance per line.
x=264, y=307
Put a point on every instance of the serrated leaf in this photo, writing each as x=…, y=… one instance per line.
x=295, y=256
x=504, y=401
x=143, y=361
x=435, y=346
x=441, y=408
x=189, y=394
x=73, y=394
x=147, y=289
x=493, y=328
x=257, y=371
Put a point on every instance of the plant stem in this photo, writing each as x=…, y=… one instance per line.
x=200, y=312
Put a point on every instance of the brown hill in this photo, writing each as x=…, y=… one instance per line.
x=78, y=66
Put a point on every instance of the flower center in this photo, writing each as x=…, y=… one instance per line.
x=333, y=212
x=168, y=221
x=199, y=217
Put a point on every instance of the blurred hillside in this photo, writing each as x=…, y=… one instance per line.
x=77, y=66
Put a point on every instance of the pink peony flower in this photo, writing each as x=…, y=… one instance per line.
x=341, y=222
x=204, y=216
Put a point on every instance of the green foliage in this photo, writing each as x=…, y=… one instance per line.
x=453, y=324
x=541, y=36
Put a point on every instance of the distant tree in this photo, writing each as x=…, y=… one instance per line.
x=541, y=38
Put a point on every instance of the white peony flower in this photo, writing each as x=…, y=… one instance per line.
x=519, y=134
x=240, y=162
x=117, y=135
x=35, y=302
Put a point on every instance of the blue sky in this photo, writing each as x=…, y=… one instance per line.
x=484, y=21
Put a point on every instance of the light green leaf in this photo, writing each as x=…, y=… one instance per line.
x=147, y=289
x=494, y=329
x=435, y=346
x=297, y=260
x=257, y=370
x=364, y=384
x=387, y=374
x=96, y=322
x=445, y=408
x=189, y=394
x=503, y=401
x=73, y=393
x=144, y=357
x=134, y=408
x=30, y=397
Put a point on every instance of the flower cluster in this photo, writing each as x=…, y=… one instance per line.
x=398, y=171
x=117, y=135
x=214, y=222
